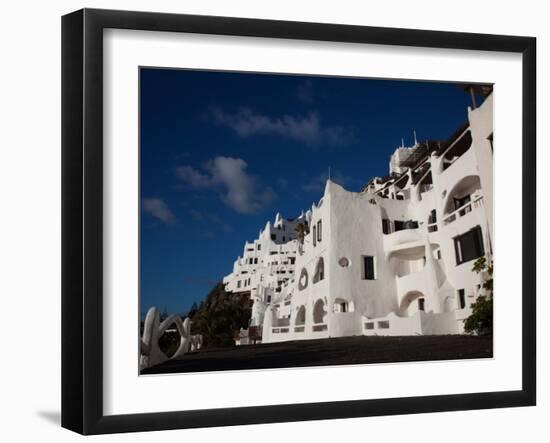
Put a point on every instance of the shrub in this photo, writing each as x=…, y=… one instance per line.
x=480, y=320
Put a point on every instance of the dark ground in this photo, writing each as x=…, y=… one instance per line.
x=331, y=351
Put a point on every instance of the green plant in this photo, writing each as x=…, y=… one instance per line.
x=480, y=320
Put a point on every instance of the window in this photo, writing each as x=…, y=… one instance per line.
x=438, y=252
x=284, y=239
x=421, y=304
x=469, y=246
x=292, y=260
x=273, y=237
x=319, y=271
x=239, y=284
x=433, y=217
x=398, y=225
x=368, y=267
x=319, y=229
x=461, y=299
x=256, y=261
x=314, y=235
x=259, y=247
x=385, y=226
x=459, y=202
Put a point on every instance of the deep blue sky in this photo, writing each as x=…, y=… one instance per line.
x=222, y=152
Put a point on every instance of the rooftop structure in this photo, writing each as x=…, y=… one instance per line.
x=393, y=259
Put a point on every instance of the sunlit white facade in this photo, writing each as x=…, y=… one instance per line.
x=393, y=259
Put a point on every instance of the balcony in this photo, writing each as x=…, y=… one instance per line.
x=463, y=210
x=404, y=239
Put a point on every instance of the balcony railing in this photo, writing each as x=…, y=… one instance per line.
x=432, y=227
x=463, y=210
x=320, y=327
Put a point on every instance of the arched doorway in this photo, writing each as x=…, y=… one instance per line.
x=411, y=303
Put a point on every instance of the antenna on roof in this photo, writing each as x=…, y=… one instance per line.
x=329, y=172
x=415, y=141
x=402, y=142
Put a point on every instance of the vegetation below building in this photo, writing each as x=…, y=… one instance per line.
x=221, y=316
x=481, y=319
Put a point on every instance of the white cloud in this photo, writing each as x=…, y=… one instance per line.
x=305, y=129
x=159, y=209
x=240, y=190
x=193, y=177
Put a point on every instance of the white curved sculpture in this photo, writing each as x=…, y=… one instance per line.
x=150, y=352
x=196, y=342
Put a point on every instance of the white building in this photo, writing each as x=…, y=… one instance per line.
x=393, y=259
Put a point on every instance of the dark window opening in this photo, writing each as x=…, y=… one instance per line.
x=421, y=304
x=385, y=226
x=368, y=267
x=459, y=202
x=273, y=237
x=461, y=299
x=469, y=246
x=319, y=226
x=314, y=235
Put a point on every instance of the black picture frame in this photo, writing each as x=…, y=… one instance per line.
x=82, y=219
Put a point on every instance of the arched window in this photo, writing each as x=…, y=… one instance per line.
x=319, y=271
x=319, y=312
x=301, y=316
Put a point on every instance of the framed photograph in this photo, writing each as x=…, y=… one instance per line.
x=269, y=221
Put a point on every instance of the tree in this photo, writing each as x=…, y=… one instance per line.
x=194, y=308
x=480, y=320
x=221, y=316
